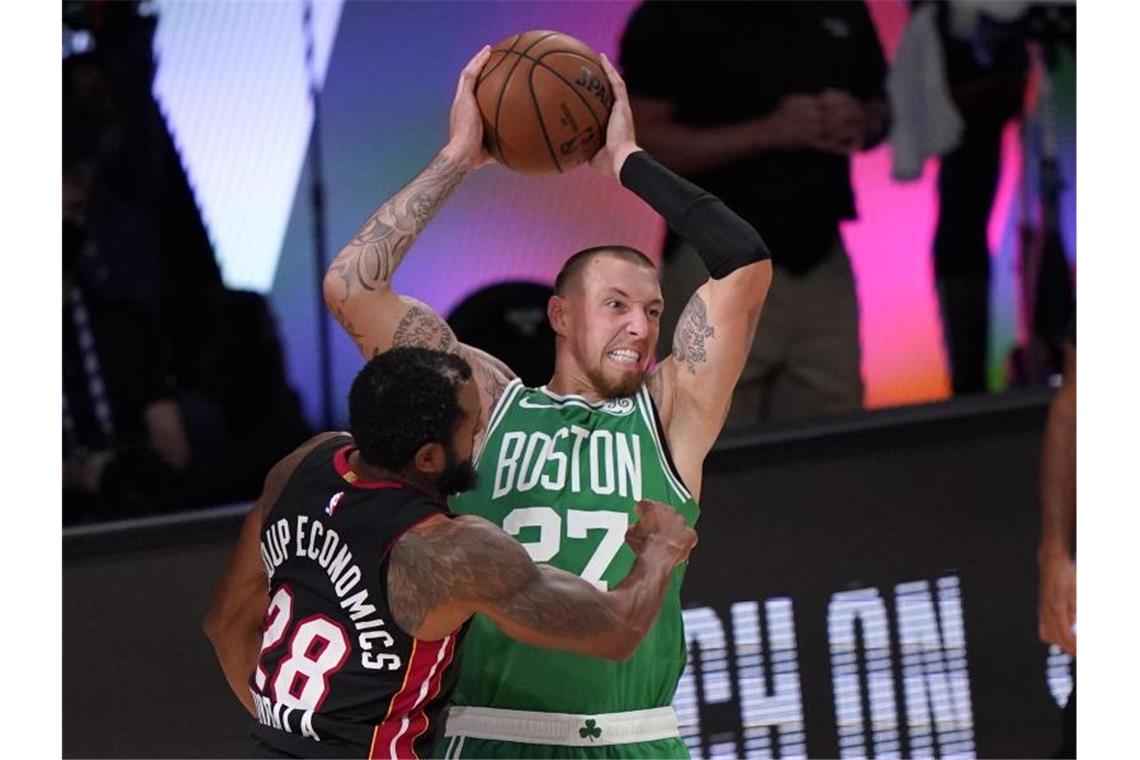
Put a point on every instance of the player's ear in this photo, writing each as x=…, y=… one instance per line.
x=430, y=459
x=556, y=312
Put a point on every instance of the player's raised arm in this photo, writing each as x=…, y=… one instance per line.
x=693, y=387
x=710, y=347
x=234, y=621
x=445, y=570
x=358, y=284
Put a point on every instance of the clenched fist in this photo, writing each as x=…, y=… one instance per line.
x=661, y=526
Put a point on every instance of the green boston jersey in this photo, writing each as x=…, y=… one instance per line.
x=563, y=476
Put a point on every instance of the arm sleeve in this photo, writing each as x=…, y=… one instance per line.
x=724, y=241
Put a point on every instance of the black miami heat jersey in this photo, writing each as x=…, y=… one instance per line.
x=336, y=677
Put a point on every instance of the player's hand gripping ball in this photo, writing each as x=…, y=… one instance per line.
x=545, y=102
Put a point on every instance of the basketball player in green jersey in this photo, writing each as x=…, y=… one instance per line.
x=562, y=466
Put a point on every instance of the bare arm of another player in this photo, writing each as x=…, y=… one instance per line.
x=445, y=570
x=693, y=386
x=234, y=620
x=358, y=284
x=1057, y=593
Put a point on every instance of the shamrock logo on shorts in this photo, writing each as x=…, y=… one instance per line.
x=590, y=730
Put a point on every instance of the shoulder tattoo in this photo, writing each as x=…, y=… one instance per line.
x=693, y=329
x=445, y=560
x=422, y=327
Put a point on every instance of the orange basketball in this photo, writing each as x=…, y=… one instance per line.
x=545, y=101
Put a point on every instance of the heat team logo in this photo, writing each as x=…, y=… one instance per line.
x=333, y=503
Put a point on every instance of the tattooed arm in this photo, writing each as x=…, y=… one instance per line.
x=693, y=386
x=444, y=570
x=358, y=284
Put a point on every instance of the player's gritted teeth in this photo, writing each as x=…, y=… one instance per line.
x=625, y=356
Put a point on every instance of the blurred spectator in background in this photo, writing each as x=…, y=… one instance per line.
x=238, y=367
x=114, y=131
x=959, y=77
x=137, y=439
x=174, y=388
x=763, y=103
x=986, y=67
x=122, y=430
x=118, y=243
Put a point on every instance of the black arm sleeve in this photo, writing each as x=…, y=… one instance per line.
x=724, y=241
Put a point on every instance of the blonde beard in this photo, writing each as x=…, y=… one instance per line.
x=627, y=385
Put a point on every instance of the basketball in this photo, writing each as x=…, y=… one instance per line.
x=545, y=102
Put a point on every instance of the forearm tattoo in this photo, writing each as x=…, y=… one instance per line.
x=447, y=560
x=557, y=604
x=424, y=328
x=374, y=253
x=693, y=329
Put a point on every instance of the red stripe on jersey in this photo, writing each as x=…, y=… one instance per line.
x=372, y=751
x=420, y=722
x=344, y=470
x=390, y=739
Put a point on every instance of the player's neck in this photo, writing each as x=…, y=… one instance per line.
x=573, y=383
x=368, y=472
x=570, y=379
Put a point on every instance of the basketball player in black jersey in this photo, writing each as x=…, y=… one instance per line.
x=371, y=580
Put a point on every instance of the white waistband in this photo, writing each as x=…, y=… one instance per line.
x=564, y=729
